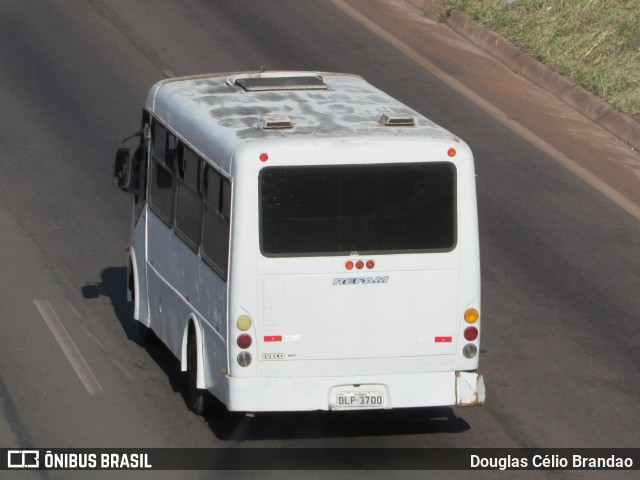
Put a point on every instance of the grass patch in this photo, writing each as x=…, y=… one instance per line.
x=594, y=42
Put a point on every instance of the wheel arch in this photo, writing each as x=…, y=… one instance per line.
x=133, y=290
x=194, y=326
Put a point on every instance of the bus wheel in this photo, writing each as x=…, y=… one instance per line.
x=196, y=396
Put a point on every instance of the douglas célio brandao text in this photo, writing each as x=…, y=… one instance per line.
x=549, y=461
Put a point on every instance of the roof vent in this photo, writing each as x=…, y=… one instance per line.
x=273, y=83
x=398, y=120
x=275, y=122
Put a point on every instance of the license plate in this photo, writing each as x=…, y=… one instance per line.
x=360, y=400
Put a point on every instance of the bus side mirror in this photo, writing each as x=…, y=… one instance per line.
x=123, y=176
x=122, y=168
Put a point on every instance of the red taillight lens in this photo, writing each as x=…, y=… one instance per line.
x=359, y=264
x=471, y=333
x=348, y=265
x=370, y=264
x=244, y=340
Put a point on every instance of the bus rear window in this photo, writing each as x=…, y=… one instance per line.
x=335, y=210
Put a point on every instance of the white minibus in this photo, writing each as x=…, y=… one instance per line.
x=303, y=241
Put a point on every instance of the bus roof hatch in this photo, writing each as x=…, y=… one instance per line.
x=397, y=120
x=269, y=83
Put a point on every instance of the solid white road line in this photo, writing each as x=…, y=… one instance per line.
x=68, y=346
x=601, y=186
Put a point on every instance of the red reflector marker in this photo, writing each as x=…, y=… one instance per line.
x=451, y=152
x=359, y=264
x=370, y=264
x=348, y=265
x=444, y=339
x=273, y=338
x=264, y=157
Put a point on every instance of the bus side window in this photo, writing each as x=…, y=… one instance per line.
x=139, y=171
x=158, y=141
x=171, y=157
x=215, y=243
x=189, y=202
x=162, y=178
x=140, y=166
x=225, y=209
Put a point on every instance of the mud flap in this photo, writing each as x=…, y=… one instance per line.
x=470, y=389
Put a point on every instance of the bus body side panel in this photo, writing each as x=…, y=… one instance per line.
x=210, y=300
x=181, y=285
x=168, y=309
x=138, y=257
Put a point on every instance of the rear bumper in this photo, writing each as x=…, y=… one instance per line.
x=470, y=391
x=321, y=393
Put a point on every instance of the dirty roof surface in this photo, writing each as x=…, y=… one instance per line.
x=214, y=109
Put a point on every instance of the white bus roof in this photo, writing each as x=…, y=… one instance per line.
x=220, y=111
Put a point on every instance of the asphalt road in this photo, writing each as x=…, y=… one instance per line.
x=560, y=260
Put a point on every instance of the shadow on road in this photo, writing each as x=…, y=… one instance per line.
x=113, y=285
x=315, y=425
x=238, y=427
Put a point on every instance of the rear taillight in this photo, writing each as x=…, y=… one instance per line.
x=244, y=340
x=470, y=334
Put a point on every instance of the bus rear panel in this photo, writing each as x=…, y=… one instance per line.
x=354, y=267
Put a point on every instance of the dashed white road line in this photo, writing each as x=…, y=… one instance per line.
x=68, y=347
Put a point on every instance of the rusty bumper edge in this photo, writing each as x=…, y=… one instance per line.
x=470, y=389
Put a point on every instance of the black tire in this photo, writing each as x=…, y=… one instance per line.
x=197, y=399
